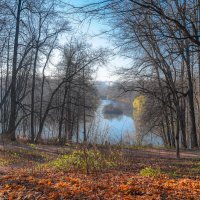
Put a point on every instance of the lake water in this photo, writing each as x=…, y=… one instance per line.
x=114, y=129
x=108, y=128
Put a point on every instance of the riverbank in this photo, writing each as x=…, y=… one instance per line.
x=38, y=172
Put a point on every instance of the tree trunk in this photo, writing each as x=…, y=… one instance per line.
x=62, y=116
x=33, y=95
x=194, y=142
x=177, y=140
x=13, y=115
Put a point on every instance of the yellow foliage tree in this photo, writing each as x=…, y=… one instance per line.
x=138, y=107
x=138, y=111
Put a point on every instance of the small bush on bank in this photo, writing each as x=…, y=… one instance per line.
x=151, y=172
x=87, y=160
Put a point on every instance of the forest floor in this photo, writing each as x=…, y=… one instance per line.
x=76, y=172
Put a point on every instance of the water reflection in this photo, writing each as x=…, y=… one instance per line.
x=112, y=116
x=114, y=127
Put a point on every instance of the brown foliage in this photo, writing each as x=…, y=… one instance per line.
x=112, y=185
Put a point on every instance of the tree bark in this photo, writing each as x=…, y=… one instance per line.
x=13, y=115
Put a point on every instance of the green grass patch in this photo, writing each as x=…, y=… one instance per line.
x=173, y=174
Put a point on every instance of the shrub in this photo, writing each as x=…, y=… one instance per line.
x=149, y=171
x=85, y=160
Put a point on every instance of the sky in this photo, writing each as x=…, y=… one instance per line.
x=92, y=31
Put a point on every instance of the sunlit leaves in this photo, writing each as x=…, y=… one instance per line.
x=112, y=185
